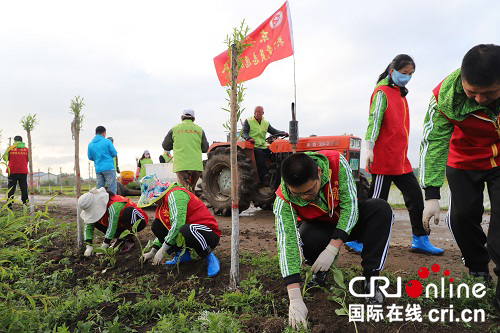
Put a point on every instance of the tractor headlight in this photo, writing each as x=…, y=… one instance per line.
x=355, y=143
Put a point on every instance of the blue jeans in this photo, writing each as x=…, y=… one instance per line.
x=108, y=176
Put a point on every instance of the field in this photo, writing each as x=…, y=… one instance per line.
x=48, y=286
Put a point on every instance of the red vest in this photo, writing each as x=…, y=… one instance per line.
x=197, y=212
x=128, y=203
x=391, y=147
x=18, y=161
x=312, y=212
x=474, y=143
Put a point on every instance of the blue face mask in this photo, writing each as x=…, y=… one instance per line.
x=399, y=79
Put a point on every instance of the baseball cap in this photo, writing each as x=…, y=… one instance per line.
x=188, y=112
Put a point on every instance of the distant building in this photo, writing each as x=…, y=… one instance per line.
x=44, y=177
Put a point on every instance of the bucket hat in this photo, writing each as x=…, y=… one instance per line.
x=93, y=205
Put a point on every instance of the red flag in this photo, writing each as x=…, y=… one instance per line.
x=271, y=41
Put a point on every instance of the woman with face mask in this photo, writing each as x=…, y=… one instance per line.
x=141, y=165
x=387, y=148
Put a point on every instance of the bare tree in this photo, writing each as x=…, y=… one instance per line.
x=76, y=125
x=29, y=122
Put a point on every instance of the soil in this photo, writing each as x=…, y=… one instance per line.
x=257, y=236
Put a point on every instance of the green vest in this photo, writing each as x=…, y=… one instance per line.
x=187, y=146
x=258, y=131
x=144, y=161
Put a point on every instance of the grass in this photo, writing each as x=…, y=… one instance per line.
x=39, y=294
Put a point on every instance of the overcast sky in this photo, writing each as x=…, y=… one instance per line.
x=138, y=64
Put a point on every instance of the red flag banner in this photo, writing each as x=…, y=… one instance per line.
x=271, y=41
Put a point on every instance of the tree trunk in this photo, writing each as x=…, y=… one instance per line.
x=78, y=184
x=30, y=159
x=235, y=211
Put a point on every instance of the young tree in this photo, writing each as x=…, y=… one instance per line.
x=236, y=44
x=76, y=125
x=29, y=122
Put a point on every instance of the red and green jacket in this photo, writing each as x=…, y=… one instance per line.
x=388, y=131
x=112, y=218
x=458, y=132
x=336, y=203
x=17, y=156
x=179, y=207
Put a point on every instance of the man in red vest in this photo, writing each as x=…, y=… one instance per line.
x=318, y=189
x=17, y=156
x=462, y=136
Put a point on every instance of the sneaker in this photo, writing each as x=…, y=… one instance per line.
x=127, y=247
x=213, y=264
x=186, y=256
x=377, y=298
x=421, y=244
x=354, y=246
x=318, y=279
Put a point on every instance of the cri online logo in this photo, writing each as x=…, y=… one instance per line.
x=414, y=288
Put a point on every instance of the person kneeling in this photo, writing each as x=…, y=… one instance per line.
x=179, y=213
x=112, y=214
x=318, y=188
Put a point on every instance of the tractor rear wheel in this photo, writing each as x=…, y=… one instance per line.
x=216, y=181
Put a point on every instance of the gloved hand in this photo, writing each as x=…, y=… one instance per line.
x=285, y=134
x=160, y=254
x=103, y=246
x=431, y=208
x=149, y=255
x=297, y=311
x=325, y=259
x=251, y=140
x=369, y=158
x=88, y=251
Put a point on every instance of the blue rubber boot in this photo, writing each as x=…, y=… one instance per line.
x=213, y=264
x=421, y=244
x=186, y=256
x=354, y=246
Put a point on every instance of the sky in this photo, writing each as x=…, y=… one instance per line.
x=139, y=64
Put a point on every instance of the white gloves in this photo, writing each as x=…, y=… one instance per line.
x=160, y=254
x=431, y=208
x=297, y=311
x=88, y=251
x=369, y=158
x=325, y=259
x=149, y=255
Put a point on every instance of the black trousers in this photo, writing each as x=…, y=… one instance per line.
x=260, y=160
x=22, y=180
x=198, y=237
x=465, y=214
x=412, y=195
x=129, y=216
x=373, y=228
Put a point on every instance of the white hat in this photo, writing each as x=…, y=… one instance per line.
x=188, y=112
x=93, y=205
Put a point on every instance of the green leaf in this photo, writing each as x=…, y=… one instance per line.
x=125, y=234
x=341, y=312
x=338, y=276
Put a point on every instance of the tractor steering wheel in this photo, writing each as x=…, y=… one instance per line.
x=272, y=138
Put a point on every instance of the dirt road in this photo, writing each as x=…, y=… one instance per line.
x=257, y=235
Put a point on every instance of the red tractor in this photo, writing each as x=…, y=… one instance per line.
x=216, y=183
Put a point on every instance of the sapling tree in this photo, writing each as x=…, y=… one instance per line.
x=76, y=125
x=236, y=44
x=29, y=122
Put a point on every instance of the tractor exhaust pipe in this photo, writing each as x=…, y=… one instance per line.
x=293, y=130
